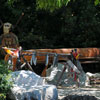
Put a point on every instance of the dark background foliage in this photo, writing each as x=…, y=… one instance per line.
x=74, y=25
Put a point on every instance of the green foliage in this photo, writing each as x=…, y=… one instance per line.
x=96, y=2
x=5, y=85
x=51, y=4
x=80, y=23
x=2, y=96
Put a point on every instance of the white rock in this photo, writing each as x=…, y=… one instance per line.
x=29, y=85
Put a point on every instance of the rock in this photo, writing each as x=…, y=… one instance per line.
x=92, y=79
x=77, y=97
x=27, y=86
x=53, y=74
x=79, y=94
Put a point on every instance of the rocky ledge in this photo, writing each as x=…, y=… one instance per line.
x=79, y=93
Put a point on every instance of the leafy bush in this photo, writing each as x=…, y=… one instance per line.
x=5, y=85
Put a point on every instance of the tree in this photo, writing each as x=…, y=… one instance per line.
x=51, y=4
x=74, y=25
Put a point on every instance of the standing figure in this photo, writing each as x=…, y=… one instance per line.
x=8, y=38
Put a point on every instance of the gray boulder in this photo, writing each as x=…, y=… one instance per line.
x=29, y=86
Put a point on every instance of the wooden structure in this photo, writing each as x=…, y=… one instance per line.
x=87, y=55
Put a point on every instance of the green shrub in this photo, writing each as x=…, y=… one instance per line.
x=5, y=85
